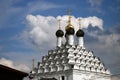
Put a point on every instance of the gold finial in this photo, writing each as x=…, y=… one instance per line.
x=69, y=18
x=33, y=63
x=59, y=23
x=79, y=20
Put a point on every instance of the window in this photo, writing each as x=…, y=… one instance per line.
x=63, y=78
x=72, y=66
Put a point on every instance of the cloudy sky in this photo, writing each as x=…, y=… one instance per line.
x=27, y=29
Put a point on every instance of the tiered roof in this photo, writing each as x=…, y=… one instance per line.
x=71, y=57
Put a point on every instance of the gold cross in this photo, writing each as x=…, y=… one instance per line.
x=69, y=11
x=69, y=18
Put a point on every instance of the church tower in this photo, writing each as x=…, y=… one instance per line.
x=70, y=61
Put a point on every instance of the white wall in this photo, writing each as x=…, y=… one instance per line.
x=76, y=75
x=89, y=76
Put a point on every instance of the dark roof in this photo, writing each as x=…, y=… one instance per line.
x=7, y=73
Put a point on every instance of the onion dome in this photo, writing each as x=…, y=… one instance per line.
x=69, y=28
x=59, y=33
x=80, y=33
x=70, y=31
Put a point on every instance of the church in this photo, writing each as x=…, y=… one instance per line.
x=70, y=61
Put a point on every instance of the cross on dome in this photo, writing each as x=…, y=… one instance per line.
x=69, y=11
x=59, y=23
x=79, y=21
x=59, y=32
x=69, y=21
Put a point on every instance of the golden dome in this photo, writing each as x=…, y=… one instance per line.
x=69, y=24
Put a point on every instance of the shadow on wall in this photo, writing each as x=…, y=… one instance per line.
x=48, y=79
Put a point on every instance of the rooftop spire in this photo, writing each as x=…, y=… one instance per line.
x=59, y=32
x=69, y=20
x=33, y=63
x=79, y=21
x=80, y=32
x=69, y=11
x=59, y=23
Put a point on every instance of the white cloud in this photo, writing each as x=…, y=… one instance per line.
x=9, y=63
x=106, y=46
x=107, y=41
x=41, y=29
x=94, y=21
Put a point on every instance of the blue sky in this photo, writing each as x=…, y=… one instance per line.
x=17, y=45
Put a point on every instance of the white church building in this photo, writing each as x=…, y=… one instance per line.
x=70, y=61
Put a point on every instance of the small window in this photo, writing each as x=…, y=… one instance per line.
x=63, y=78
x=72, y=66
